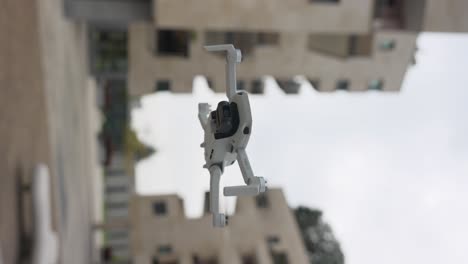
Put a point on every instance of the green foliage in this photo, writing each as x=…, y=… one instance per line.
x=134, y=148
x=321, y=244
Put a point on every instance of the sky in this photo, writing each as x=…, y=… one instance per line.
x=389, y=170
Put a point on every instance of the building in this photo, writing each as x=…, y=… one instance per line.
x=445, y=16
x=354, y=45
x=263, y=229
x=118, y=188
x=48, y=115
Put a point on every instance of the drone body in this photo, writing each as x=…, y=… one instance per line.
x=227, y=132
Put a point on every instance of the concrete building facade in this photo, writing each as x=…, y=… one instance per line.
x=446, y=16
x=48, y=115
x=354, y=45
x=349, y=44
x=262, y=230
x=74, y=121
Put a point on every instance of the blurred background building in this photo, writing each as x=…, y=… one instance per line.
x=353, y=45
x=71, y=69
x=48, y=115
x=263, y=229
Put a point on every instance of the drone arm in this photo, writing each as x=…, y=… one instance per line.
x=255, y=185
x=244, y=165
x=233, y=56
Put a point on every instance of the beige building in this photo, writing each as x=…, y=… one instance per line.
x=353, y=45
x=350, y=44
x=445, y=16
x=262, y=230
x=48, y=115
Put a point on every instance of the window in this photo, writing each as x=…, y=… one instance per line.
x=387, y=45
x=376, y=84
x=249, y=259
x=114, y=189
x=272, y=240
x=173, y=43
x=257, y=87
x=116, y=205
x=279, y=258
x=267, y=38
x=388, y=14
x=162, y=86
x=243, y=40
x=210, y=83
x=106, y=254
x=324, y=1
x=206, y=207
x=199, y=260
x=115, y=172
x=359, y=45
x=120, y=246
x=315, y=83
x=262, y=201
x=342, y=85
x=165, y=249
x=240, y=85
x=289, y=86
x=156, y=260
x=386, y=3
x=341, y=45
x=115, y=235
x=246, y=41
x=159, y=208
x=108, y=51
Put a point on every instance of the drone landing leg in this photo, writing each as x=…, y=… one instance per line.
x=219, y=220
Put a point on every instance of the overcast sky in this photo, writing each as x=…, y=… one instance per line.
x=389, y=170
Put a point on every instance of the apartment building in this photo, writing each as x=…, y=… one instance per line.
x=354, y=45
x=445, y=16
x=262, y=230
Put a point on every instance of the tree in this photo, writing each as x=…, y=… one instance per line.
x=321, y=244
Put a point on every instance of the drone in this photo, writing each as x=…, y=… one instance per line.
x=227, y=131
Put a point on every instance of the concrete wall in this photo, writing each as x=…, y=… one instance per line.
x=24, y=139
x=72, y=124
x=245, y=235
x=276, y=15
x=335, y=45
x=446, y=16
x=108, y=11
x=50, y=118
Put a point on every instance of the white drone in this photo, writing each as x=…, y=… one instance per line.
x=227, y=132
